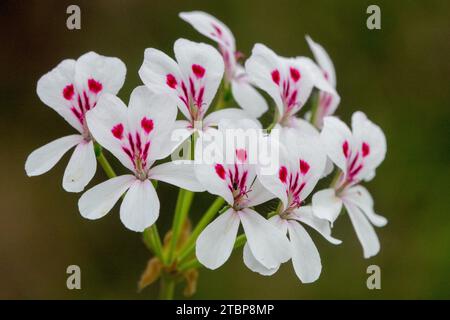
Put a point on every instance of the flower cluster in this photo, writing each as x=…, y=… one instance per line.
x=203, y=83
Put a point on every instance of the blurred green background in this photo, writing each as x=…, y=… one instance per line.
x=399, y=76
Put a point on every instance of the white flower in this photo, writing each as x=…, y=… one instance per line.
x=302, y=162
x=72, y=89
x=328, y=101
x=237, y=183
x=289, y=81
x=243, y=92
x=192, y=81
x=357, y=154
x=137, y=136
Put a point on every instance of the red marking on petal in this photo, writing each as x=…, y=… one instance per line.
x=68, y=92
x=304, y=167
x=241, y=154
x=95, y=86
x=276, y=76
x=198, y=70
x=220, y=171
x=365, y=149
x=218, y=30
x=171, y=81
x=345, y=148
x=147, y=125
x=295, y=74
x=325, y=74
x=282, y=174
x=117, y=131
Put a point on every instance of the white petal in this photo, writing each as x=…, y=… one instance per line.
x=248, y=98
x=364, y=230
x=259, y=194
x=206, y=171
x=161, y=110
x=366, y=131
x=259, y=68
x=81, y=167
x=334, y=134
x=305, y=257
x=215, y=117
x=140, y=207
x=99, y=200
x=50, y=88
x=305, y=215
x=43, y=159
x=319, y=80
x=215, y=243
x=359, y=196
x=267, y=243
x=109, y=112
x=178, y=173
x=189, y=53
x=323, y=59
x=109, y=71
x=207, y=25
x=154, y=71
x=254, y=265
x=326, y=205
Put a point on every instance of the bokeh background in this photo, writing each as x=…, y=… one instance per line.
x=398, y=75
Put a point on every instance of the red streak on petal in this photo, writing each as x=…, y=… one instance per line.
x=295, y=74
x=345, y=148
x=95, y=86
x=117, y=131
x=198, y=70
x=282, y=174
x=241, y=154
x=218, y=30
x=365, y=149
x=171, y=81
x=276, y=76
x=304, y=167
x=68, y=92
x=220, y=171
x=147, y=125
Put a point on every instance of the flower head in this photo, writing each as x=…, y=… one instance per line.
x=243, y=92
x=357, y=154
x=137, y=136
x=72, y=89
x=236, y=181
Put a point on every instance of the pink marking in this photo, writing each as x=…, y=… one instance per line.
x=276, y=76
x=117, y=131
x=68, y=92
x=94, y=86
x=198, y=70
x=218, y=30
x=220, y=171
x=171, y=81
x=365, y=149
x=345, y=148
x=295, y=74
x=304, y=167
x=241, y=154
x=147, y=125
x=325, y=74
x=282, y=174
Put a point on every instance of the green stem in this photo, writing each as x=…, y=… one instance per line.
x=182, y=207
x=103, y=161
x=314, y=108
x=153, y=241
x=189, y=246
x=167, y=288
